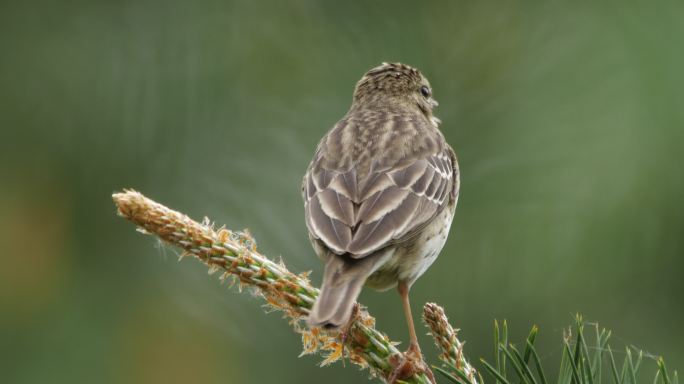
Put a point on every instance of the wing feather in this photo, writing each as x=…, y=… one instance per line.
x=335, y=234
x=336, y=206
x=382, y=203
x=358, y=215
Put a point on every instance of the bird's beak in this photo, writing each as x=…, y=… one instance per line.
x=433, y=102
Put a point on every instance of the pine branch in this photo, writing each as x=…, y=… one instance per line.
x=234, y=254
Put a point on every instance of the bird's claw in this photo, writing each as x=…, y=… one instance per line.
x=408, y=364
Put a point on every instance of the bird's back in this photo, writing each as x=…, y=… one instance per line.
x=377, y=177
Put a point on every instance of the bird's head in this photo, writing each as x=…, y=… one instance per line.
x=393, y=84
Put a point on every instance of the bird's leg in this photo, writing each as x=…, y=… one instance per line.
x=412, y=360
x=414, y=347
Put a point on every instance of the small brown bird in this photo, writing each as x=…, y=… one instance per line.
x=380, y=195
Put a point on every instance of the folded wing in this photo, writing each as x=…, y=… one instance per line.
x=358, y=217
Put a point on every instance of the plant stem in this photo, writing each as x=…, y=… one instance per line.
x=235, y=254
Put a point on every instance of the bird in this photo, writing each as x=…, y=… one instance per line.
x=379, y=197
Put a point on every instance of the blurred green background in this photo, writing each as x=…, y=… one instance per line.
x=567, y=119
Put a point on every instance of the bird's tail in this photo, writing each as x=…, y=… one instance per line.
x=342, y=283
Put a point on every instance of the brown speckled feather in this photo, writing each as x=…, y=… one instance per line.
x=359, y=199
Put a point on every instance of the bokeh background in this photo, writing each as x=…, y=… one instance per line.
x=567, y=118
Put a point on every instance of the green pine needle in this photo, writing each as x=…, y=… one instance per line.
x=537, y=362
x=494, y=372
x=516, y=366
x=522, y=363
x=613, y=367
x=530, y=342
x=573, y=364
x=462, y=378
x=663, y=371
x=579, y=364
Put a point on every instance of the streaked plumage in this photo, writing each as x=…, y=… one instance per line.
x=380, y=192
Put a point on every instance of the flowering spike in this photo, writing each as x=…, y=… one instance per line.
x=447, y=341
x=235, y=254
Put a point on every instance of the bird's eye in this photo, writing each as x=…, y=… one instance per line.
x=425, y=91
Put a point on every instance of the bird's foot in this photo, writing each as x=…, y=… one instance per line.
x=346, y=329
x=408, y=364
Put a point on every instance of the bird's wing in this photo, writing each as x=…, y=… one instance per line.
x=358, y=217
